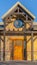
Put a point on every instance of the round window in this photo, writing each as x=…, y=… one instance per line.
x=18, y=23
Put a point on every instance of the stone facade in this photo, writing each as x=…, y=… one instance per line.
x=18, y=43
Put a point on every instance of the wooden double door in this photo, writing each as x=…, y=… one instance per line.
x=18, y=48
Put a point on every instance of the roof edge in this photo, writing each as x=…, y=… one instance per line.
x=18, y=3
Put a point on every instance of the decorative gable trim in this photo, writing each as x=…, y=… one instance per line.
x=18, y=3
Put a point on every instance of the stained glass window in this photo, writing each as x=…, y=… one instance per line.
x=18, y=23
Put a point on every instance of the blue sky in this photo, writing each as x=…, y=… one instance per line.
x=31, y=5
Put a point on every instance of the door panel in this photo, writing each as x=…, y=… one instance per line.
x=18, y=50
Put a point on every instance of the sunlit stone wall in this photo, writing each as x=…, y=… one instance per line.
x=8, y=47
x=8, y=43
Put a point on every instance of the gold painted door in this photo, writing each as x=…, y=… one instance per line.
x=18, y=50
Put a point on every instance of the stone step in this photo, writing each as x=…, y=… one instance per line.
x=18, y=63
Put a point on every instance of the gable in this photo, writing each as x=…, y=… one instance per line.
x=14, y=8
